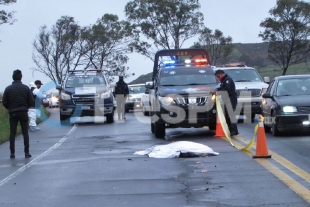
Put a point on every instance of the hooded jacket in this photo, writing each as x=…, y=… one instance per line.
x=17, y=97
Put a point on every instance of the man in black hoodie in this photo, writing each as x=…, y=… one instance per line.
x=120, y=93
x=17, y=98
x=228, y=86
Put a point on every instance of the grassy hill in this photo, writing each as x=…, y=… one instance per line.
x=255, y=55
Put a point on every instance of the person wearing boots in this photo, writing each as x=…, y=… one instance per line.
x=17, y=98
x=120, y=93
x=228, y=86
x=32, y=112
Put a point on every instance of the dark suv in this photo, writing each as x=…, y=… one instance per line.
x=85, y=93
x=180, y=93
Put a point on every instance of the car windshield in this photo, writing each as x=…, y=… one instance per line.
x=243, y=75
x=85, y=81
x=293, y=87
x=182, y=78
x=136, y=89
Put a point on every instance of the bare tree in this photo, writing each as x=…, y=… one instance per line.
x=5, y=16
x=59, y=50
x=165, y=24
x=288, y=32
x=218, y=46
x=107, y=44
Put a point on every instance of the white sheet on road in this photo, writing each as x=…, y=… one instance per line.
x=176, y=149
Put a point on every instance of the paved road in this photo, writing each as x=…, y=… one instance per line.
x=90, y=164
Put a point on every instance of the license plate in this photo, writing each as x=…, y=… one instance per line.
x=85, y=107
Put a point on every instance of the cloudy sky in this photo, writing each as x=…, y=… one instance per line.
x=239, y=19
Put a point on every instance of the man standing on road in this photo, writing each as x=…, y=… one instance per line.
x=38, y=97
x=121, y=92
x=32, y=112
x=17, y=98
x=228, y=85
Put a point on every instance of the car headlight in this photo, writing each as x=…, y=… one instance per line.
x=264, y=90
x=65, y=96
x=106, y=95
x=165, y=100
x=289, y=109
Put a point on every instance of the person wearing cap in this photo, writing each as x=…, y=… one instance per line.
x=121, y=92
x=32, y=112
x=228, y=86
x=17, y=98
x=38, y=97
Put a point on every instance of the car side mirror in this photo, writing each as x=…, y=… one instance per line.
x=149, y=85
x=267, y=80
x=58, y=87
x=267, y=95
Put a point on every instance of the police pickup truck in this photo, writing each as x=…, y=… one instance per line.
x=85, y=93
x=180, y=91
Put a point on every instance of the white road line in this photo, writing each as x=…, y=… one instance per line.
x=23, y=168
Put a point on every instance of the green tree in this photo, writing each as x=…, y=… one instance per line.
x=5, y=16
x=287, y=31
x=165, y=24
x=58, y=50
x=107, y=44
x=218, y=46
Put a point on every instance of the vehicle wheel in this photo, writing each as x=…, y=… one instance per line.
x=64, y=119
x=212, y=126
x=110, y=118
x=274, y=128
x=267, y=128
x=159, y=130
x=152, y=128
x=126, y=110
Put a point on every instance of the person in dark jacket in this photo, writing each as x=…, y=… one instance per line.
x=228, y=86
x=121, y=92
x=17, y=98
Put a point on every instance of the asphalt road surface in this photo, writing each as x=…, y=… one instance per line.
x=93, y=164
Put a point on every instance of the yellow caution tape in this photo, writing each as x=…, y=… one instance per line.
x=222, y=119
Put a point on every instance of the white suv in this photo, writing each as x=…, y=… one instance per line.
x=249, y=87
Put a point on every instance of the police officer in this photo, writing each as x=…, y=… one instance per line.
x=121, y=92
x=228, y=86
x=17, y=98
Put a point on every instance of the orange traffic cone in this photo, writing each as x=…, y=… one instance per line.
x=261, y=144
x=219, y=132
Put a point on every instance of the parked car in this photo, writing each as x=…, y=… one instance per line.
x=286, y=104
x=145, y=102
x=45, y=102
x=134, y=99
x=85, y=93
x=54, y=99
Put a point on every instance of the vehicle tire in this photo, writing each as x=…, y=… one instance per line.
x=145, y=113
x=126, y=110
x=212, y=126
x=267, y=128
x=110, y=117
x=159, y=130
x=152, y=128
x=64, y=119
x=274, y=129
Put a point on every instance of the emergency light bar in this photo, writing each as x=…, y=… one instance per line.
x=85, y=70
x=186, y=62
x=176, y=53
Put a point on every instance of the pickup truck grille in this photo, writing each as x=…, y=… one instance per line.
x=249, y=92
x=85, y=98
x=191, y=100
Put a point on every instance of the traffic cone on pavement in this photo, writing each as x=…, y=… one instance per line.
x=219, y=132
x=261, y=143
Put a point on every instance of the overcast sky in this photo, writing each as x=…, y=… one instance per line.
x=239, y=19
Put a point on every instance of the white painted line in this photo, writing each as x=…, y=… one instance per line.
x=29, y=164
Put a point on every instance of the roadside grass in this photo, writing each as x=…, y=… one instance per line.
x=5, y=124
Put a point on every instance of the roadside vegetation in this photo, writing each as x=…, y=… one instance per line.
x=5, y=125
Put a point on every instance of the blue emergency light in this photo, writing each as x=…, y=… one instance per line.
x=186, y=62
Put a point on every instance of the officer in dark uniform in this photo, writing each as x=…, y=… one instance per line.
x=120, y=93
x=228, y=85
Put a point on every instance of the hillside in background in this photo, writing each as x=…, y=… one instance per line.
x=255, y=55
